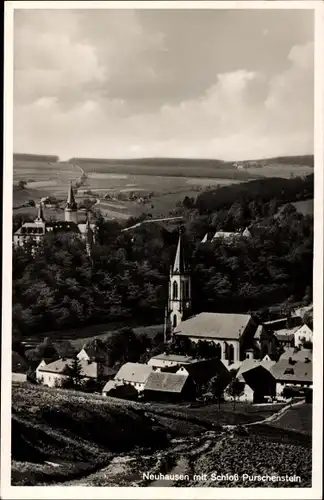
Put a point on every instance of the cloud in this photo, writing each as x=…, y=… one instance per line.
x=115, y=83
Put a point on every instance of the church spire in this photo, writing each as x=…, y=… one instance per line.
x=179, y=265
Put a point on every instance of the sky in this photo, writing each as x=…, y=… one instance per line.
x=225, y=84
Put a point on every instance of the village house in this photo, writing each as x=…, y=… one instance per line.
x=166, y=361
x=256, y=378
x=289, y=372
x=166, y=386
x=135, y=374
x=201, y=371
x=303, y=335
x=92, y=353
x=227, y=235
x=53, y=374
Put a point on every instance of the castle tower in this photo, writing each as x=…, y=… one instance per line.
x=179, y=301
x=71, y=209
x=40, y=214
x=88, y=236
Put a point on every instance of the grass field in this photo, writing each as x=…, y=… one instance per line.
x=298, y=418
x=96, y=432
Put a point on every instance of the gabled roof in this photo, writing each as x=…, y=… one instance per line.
x=165, y=382
x=134, y=372
x=87, y=369
x=214, y=325
x=298, y=372
x=203, y=370
x=112, y=384
x=225, y=235
x=303, y=330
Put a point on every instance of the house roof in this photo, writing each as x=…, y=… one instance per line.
x=176, y=358
x=214, y=325
x=134, y=372
x=202, y=371
x=94, y=352
x=297, y=354
x=165, y=382
x=112, y=384
x=284, y=336
x=226, y=235
x=87, y=369
x=299, y=371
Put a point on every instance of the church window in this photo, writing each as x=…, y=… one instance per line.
x=230, y=353
x=186, y=290
x=218, y=351
x=174, y=320
x=175, y=290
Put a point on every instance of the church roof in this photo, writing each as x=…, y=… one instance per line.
x=179, y=265
x=214, y=325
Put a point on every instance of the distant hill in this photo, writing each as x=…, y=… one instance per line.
x=30, y=157
x=305, y=160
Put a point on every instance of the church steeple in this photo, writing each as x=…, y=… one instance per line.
x=40, y=214
x=179, y=265
x=71, y=209
x=179, y=301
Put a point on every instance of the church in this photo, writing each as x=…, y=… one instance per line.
x=35, y=231
x=233, y=334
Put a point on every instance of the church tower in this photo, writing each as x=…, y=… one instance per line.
x=179, y=300
x=71, y=209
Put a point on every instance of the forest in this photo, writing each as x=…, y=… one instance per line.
x=59, y=287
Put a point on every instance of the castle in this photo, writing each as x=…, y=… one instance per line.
x=35, y=231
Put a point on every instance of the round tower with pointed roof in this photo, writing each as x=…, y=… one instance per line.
x=179, y=289
x=71, y=209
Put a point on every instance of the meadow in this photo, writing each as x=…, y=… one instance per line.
x=125, y=188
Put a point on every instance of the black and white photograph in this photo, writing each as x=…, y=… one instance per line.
x=162, y=284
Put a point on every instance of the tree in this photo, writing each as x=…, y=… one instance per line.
x=22, y=184
x=216, y=387
x=74, y=372
x=235, y=389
